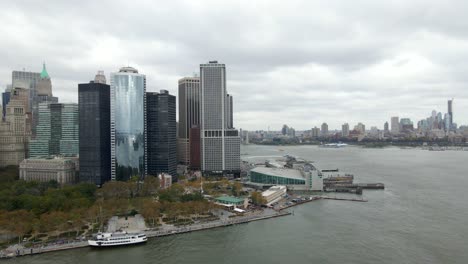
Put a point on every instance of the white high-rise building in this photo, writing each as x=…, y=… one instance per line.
x=220, y=144
x=345, y=130
x=395, y=125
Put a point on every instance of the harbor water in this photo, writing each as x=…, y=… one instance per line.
x=420, y=217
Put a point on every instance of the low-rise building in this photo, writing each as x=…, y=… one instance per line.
x=45, y=169
x=230, y=201
x=303, y=177
x=274, y=194
x=165, y=180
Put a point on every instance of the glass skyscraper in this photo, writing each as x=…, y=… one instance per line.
x=128, y=127
x=57, y=130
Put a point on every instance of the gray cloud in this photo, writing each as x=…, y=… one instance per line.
x=295, y=62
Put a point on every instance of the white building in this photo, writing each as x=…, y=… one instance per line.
x=165, y=180
x=395, y=125
x=220, y=143
x=274, y=194
x=61, y=170
x=304, y=177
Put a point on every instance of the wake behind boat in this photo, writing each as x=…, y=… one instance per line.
x=117, y=239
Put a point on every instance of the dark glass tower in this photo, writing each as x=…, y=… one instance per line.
x=94, y=131
x=161, y=133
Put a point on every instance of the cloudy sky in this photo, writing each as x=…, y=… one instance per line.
x=299, y=63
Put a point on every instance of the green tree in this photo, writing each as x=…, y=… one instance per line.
x=257, y=198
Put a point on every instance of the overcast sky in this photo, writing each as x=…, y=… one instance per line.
x=299, y=63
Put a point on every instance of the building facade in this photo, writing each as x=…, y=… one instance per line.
x=94, y=132
x=324, y=130
x=195, y=148
x=395, y=125
x=161, y=134
x=57, y=130
x=15, y=133
x=345, y=130
x=302, y=178
x=128, y=124
x=220, y=145
x=40, y=91
x=189, y=116
x=69, y=141
x=48, y=169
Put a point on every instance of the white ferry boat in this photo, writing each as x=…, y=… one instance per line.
x=117, y=239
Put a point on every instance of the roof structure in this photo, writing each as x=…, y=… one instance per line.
x=279, y=172
x=44, y=73
x=229, y=199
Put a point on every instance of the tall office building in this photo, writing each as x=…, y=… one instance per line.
x=386, y=128
x=324, y=129
x=450, y=112
x=128, y=124
x=220, y=145
x=69, y=142
x=57, y=130
x=361, y=128
x=94, y=131
x=189, y=116
x=15, y=132
x=394, y=125
x=161, y=134
x=345, y=130
x=27, y=80
x=315, y=132
x=40, y=91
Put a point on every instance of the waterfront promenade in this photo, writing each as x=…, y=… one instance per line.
x=166, y=230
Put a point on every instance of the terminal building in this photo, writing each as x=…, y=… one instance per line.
x=274, y=194
x=301, y=177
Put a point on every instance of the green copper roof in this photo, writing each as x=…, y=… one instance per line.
x=44, y=73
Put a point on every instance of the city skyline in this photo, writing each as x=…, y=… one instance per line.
x=341, y=66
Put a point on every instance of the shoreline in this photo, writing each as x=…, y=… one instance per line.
x=149, y=233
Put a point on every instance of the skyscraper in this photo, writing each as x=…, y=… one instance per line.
x=27, y=80
x=189, y=115
x=345, y=130
x=220, y=145
x=57, y=130
x=40, y=91
x=315, y=132
x=450, y=112
x=324, y=129
x=386, y=129
x=15, y=131
x=395, y=125
x=128, y=124
x=161, y=134
x=94, y=123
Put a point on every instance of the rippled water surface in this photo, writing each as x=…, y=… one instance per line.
x=421, y=217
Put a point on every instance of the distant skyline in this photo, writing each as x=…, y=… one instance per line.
x=299, y=63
